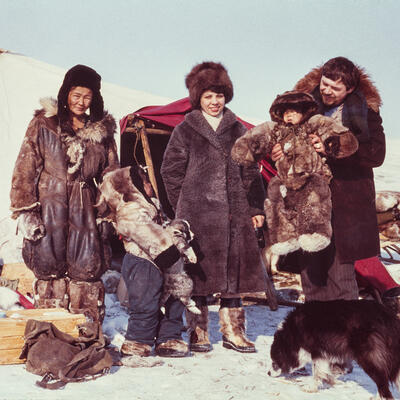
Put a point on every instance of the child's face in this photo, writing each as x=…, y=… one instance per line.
x=291, y=116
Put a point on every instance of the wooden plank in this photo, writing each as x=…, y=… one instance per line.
x=21, y=272
x=11, y=342
x=149, y=160
x=10, y=356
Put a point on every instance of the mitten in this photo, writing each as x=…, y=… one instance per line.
x=31, y=226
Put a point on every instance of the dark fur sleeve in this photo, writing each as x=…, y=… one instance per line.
x=252, y=182
x=173, y=168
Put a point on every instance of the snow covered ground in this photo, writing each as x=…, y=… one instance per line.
x=219, y=375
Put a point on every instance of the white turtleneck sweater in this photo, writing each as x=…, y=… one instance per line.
x=213, y=121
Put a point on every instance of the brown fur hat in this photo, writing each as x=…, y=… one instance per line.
x=208, y=76
x=295, y=99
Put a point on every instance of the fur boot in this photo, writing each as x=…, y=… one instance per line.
x=51, y=293
x=134, y=348
x=198, y=330
x=87, y=298
x=232, y=322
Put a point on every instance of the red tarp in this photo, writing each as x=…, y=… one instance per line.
x=173, y=114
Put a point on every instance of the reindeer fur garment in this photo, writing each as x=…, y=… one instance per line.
x=138, y=221
x=298, y=206
x=353, y=194
x=55, y=177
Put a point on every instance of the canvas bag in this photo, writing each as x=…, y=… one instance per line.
x=61, y=358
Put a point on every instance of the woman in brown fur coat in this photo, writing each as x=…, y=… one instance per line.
x=219, y=199
x=64, y=154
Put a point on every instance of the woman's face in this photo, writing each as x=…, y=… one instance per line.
x=212, y=103
x=79, y=100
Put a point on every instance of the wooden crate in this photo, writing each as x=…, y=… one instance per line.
x=12, y=329
x=21, y=272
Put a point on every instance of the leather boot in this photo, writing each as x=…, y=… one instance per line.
x=172, y=348
x=52, y=293
x=198, y=330
x=134, y=348
x=232, y=322
x=87, y=298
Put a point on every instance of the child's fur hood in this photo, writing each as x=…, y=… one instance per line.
x=293, y=99
x=366, y=86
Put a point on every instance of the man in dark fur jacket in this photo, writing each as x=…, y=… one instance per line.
x=344, y=92
x=64, y=154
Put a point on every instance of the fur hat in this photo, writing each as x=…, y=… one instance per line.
x=208, y=76
x=301, y=101
x=84, y=76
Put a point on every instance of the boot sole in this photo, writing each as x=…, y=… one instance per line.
x=231, y=346
x=204, y=348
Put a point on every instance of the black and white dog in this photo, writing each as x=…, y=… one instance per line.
x=335, y=333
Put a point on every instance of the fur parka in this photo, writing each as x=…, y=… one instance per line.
x=55, y=178
x=354, y=218
x=218, y=198
x=298, y=206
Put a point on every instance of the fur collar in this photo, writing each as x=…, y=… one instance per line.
x=198, y=123
x=95, y=132
x=366, y=86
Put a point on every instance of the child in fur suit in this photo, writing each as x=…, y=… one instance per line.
x=152, y=269
x=298, y=205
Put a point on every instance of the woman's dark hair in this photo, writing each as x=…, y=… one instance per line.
x=342, y=68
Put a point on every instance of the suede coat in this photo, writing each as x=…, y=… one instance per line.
x=55, y=176
x=218, y=198
x=354, y=218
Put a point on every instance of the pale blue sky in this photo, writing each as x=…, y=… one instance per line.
x=266, y=45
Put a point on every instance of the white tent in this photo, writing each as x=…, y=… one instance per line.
x=23, y=81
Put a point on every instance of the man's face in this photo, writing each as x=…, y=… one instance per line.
x=333, y=92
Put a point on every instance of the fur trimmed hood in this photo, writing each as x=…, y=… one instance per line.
x=366, y=86
x=95, y=132
x=293, y=99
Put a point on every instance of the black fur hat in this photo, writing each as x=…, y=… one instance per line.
x=208, y=76
x=301, y=101
x=84, y=76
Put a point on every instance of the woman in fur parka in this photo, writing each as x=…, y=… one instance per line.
x=63, y=156
x=219, y=199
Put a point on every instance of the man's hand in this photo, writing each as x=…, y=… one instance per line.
x=276, y=152
x=317, y=144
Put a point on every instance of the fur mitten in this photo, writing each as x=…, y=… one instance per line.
x=31, y=226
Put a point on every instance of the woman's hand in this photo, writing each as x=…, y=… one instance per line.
x=258, y=221
x=276, y=152
x=317, y=144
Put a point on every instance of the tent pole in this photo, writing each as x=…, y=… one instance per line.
x=147, y=155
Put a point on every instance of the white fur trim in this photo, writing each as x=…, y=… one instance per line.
x=283, y=190
x=283, y=248
x=313, y=242
x=26, y=208
x=8, y=299
x=49, y=105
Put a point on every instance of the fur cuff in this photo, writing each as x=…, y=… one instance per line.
x=17, y=211
x=167, y=258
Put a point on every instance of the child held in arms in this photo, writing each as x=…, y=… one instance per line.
x=298, y=205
